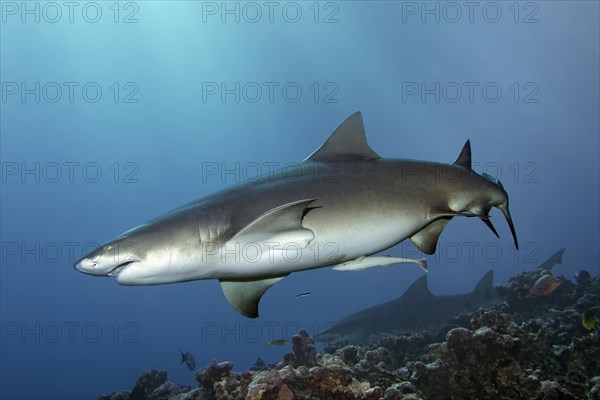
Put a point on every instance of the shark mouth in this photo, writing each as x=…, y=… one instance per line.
x=119, y=268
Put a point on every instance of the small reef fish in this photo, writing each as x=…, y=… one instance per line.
x=588, y=320
x=544, y=285
x=278, y=342
x=188, y=359
x=301, y=295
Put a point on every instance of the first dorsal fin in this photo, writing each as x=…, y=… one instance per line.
x=418, y=289
x=464, y=158
x=347, y=142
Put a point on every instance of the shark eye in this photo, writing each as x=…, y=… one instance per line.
x=108, y=248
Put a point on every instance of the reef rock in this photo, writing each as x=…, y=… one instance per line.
x=304, y=351
x=217, y=381
x=152, y=385
x=526, y=348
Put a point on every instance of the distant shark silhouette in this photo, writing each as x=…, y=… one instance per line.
x=415, y=311
x=554, y=259
x=343, y=197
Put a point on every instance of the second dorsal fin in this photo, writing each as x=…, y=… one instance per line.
x=464, y=158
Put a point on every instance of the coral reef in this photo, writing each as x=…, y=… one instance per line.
x=260, y=365
x=304, y=351
x=524, y=348
x=153, y=385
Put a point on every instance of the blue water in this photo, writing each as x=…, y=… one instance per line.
x=114, y=113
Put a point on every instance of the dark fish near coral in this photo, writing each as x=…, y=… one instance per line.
x=588, y=320
x=301, y=295
x=278, y=342
x=415, y=311
x=583, y=278
x=544, y=286
x=188, y=359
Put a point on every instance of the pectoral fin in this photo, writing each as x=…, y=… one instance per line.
x=245, y=295
x=279, y=226
x=426, y=239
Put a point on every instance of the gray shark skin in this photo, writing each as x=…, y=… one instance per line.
x=417, y=310
x=341, y=203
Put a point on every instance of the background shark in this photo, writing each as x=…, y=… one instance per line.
x=415, y=311
x=556, y=258
x=345, y=203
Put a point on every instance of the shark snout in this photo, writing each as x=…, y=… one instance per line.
x=326, y=336
x=87, y=266
x=99, y=268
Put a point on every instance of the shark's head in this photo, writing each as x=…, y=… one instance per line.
x=328, y=336
x=476, y=194
x=109, y=259
x=145, y=255
x=341, y=335
x=118, y=255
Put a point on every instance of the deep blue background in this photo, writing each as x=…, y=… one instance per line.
x=68, y=335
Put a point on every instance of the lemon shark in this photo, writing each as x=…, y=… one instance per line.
x=341, y=205
x=415, y=311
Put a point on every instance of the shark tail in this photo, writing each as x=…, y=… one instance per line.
x=504, y=209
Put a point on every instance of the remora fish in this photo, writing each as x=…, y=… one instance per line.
x=416, y=310
x=343, y=196
x=362, y=263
